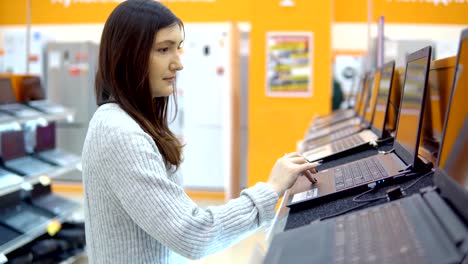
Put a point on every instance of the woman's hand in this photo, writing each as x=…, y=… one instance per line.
x=287, y=169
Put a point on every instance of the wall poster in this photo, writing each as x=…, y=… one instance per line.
x=289, y=64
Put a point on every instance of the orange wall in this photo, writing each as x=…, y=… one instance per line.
x=46, y=12
x=12, y=12
x=402, y=11
x=275, y=124
x=350, y=11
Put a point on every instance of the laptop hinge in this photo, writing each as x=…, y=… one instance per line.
x=428, y=189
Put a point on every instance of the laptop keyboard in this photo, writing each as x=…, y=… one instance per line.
x=342, y=133
x=6, y=235
x=29, y=166
x=309, y=144
x=54, y=204
x=59, y=157
x=23, y=219
x=359, y=172
x=47, y=107
x=378, y=235
x=20, y=110
x=347, y=143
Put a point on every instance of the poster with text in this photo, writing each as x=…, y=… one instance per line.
x=289, y=64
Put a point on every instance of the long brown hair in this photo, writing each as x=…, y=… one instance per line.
x=123, y=70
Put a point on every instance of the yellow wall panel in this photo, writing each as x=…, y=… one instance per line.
x=275, y=124
x=402, y=11
x=82, y=12
x=12, y=12
x=424, y=12
x=350, y=11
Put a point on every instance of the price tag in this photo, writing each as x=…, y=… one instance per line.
x=53, y=227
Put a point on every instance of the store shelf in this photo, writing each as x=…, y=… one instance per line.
x=37, y=232
x=67, y=115
x=31, y=180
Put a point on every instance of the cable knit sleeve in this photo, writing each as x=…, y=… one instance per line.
x=135, y=172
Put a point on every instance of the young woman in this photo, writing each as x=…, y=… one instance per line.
x=136, y=210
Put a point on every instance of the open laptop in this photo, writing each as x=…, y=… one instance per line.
x=341, y=115
x=46, y=150
x=20, y=216
x=430, y=227
x=327, y=150
x=8, y=102
x=43, y=198
x=386, y=76
x=355, y=120
x=35, y=97
x=8, y=178
x=7, y=234
x=14, y=156
x=356, y=175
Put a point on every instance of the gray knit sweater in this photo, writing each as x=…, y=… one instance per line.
x=136, y=210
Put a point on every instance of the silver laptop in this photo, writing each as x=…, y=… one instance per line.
x=379, y=93
x=324, y=150
x=341, y=115
x=355, y=120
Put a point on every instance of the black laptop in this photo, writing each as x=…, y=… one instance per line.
x=7, y=234
x=35, y=97
x=13, y=154
x=379, y=93
x=46, y=149
x=8, y=102
x=401, y=161
x=430, y=227
x=20, y=216
x=43, y=198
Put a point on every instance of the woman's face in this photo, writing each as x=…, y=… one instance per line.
x=165, y=61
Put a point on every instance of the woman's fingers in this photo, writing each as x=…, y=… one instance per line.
x=309, y=175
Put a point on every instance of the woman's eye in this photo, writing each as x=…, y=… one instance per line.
x=163, y=50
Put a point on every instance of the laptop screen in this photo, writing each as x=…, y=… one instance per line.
x=457, y=111
x=6, y=91
x=12, y=145
x=357, y=94
x=373, y=89
x=45, y=137
x=365, y=95
x=361, y=87
x=453, y=153
x=32, y=89
x=386, y=77
x=456, y=165
x=411, y=104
